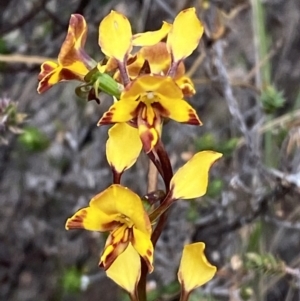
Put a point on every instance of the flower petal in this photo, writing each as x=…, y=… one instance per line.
x=91, y=219
x=157, y=56
x=191, y=180
x=186, y=85
x=177, y=109
x=151, y=37
x=115, y=36
x=194, y=269
x=48, y=76
x=121, y=111
x=116, y=244
x=149, y=132
x=121, y=154
x=126, y=270
x=71, y=52
x=143, y=245
x=185, y=34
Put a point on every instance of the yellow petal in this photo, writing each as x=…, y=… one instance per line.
x=91, y=219
x=151, y=37
x=191, y=180
x=126, y=270
x=143, y=245
x=178, y=110
x=123, y=146
x=185, y=34
x=115, y=36
x=194, y=269
x=121, y=111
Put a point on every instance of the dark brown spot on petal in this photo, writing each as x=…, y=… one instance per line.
x=149, y=264
x=107, y=117
x=193, y=119
x=76, y=222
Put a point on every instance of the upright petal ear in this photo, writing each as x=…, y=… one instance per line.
x=126, y=270
x=191, y=180
x=74, y=41
x=185, y=34
x=194, y=270
x=115, y=36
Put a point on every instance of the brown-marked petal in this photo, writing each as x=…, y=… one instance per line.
x=75, y=39
x=91, y=219
x=121, y=111
x=178, y=110
x=143, y=245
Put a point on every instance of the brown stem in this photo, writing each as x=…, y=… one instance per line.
x=184, y=295
x=152, y=177
x=116, y=176
x=141, y=289
x=165, y=164
x=173, y=69
x=123, y=72
x=134, y=296
x=153, y=157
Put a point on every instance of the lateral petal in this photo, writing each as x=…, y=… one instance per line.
x=143, y=245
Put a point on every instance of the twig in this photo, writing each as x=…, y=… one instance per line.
x=24, y=59
x=220, y=76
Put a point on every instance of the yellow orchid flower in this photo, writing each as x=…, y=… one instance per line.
x=191, y=180
x=147, y=100
x=119, y=211
x=194, y=269
x=73, y=62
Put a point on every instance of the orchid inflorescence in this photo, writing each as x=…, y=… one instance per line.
x=148, y=87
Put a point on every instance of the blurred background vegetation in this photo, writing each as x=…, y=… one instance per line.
x=52, y=155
